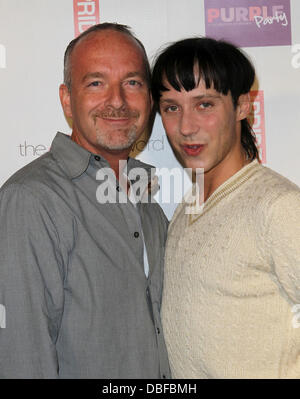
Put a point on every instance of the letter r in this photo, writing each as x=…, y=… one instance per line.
x=86, y=7
x=212, y=13
x=254, y=11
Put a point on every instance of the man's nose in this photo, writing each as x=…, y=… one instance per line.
x=116, y=97
x=188, y=124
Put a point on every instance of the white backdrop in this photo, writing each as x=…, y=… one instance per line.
x=33, y=37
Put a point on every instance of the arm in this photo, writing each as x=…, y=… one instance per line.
x=31, y=286
x=284, y=243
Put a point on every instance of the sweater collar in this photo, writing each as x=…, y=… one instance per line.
x=226, y=188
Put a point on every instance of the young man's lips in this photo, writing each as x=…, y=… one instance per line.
x=193, y=149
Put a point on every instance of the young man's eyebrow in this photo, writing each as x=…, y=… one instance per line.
x=200, y=97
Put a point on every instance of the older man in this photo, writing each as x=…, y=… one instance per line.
x=81, y=277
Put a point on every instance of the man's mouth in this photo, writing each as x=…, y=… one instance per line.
x=120, y=114
x=193, y=149
x=116, y=118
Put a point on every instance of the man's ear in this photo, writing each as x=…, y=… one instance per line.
x=243, y=106
x=64, y=95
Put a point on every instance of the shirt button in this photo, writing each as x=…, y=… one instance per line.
x=136, y=234
x=97, y=158
x=118, y=188
x=164, y=376
x=158, y=330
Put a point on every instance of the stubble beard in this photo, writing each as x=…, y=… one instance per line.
x=104, y=139
x=125, y=138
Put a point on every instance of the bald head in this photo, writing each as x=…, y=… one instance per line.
x=106, y=29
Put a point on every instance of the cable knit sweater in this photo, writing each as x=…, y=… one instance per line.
x=232, y=277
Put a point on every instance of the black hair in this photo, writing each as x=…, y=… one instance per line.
x=98, y=28
x=221, y=65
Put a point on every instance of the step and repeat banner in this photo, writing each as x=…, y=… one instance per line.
x=35, y=33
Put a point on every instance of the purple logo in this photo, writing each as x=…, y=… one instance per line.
x=249, y=23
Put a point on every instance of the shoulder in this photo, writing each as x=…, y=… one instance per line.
x=267, y=188
x=31, y=202
x=36, y=191
x=38, y=178
x=276, y=201
x=34, y=171
x=274, y=184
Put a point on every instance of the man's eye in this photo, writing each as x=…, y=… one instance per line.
x=205, y=105
x=94, y=84
x=171, y=108
x=133, y=82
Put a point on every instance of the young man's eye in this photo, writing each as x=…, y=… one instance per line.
x=205, y=105
x=171, y=108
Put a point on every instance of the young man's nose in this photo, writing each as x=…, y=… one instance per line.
x=188, y=125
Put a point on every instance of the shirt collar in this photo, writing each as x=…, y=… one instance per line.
x=75, y=158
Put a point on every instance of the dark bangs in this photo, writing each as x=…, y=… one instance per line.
x=220, y=65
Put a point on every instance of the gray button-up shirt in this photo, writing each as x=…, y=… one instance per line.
x=72, y=282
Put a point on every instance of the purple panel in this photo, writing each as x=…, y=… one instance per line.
x=249, y=23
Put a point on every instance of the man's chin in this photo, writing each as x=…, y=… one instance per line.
x=118, y=145
x=118, y=148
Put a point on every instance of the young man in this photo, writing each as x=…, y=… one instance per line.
x=232, y=271
x=81, y=280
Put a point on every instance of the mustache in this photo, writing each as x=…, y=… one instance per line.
x=116, y=113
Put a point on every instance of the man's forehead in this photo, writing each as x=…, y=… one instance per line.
x=200, y=88
x=106, y=40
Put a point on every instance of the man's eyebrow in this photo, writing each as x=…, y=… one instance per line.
x=135, y=74
x=91, y=75
x=200, y=97
x=100, y=75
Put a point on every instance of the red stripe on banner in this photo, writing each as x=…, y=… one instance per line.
x=86, y=14
x=257, y=120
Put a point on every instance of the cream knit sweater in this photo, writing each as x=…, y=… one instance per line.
x=232, y=276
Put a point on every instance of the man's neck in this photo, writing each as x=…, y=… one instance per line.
x=113, y=157
x=220, y=174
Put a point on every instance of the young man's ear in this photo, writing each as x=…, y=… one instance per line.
x=243, y=106
x=64, y=96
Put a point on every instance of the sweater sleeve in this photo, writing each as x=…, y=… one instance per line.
x=284, y=243
x=31, y=286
